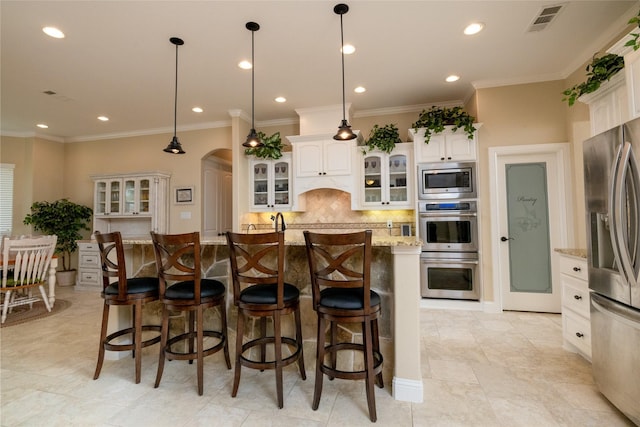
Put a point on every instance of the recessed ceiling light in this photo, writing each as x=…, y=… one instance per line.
x=360, y=89
x=245, y=65
x=348, y=49
x=103, y=118
x=197, y=110
x=452, y=78
x=281, y=99
x=42, y=126
x=53, y=32
x=474, y=28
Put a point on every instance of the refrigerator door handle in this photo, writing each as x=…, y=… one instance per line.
x=623, y=244
x=621, y=312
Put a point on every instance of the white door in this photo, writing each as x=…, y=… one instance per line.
x=530, y=197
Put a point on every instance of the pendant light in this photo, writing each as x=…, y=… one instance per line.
x=344, y=130
x=174, y=146
x=253, y=141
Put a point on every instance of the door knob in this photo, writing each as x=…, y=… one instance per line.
x=504, y=239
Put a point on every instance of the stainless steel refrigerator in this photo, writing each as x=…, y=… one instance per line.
x=612, y=192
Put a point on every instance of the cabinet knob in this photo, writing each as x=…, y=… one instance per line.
x=576, y=269
x=448, y=158
x=441, y=158
x=579, y=334
x=577, y=297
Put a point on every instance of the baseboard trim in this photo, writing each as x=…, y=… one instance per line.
x=407, y=390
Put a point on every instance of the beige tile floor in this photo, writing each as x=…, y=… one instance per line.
x=478, y=370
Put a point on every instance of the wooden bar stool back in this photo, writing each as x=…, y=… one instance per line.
x=118, y=290
x=259, y=290
x=340, y=266
x=182, y=289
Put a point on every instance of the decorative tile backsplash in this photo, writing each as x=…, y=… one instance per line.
x=328, y=209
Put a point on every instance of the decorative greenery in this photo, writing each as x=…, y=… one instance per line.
x=435, y=119
x=598, y=71
x=634, y=36
x=63, y=218
x=272, y=148
x=383, y=138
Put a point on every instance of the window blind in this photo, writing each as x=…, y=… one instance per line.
x=6, y=198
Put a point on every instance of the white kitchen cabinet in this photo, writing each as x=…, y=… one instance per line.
x=133, y=204
x=323, y=157
x=576, y=325
x=270, y=183
x=609, y=105
x=385, y=181
x=446, y=146
x=319, y=161
x=89, y=270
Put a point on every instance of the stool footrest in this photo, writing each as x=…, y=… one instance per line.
x=270, y=364
x=108, y=345
x=350, y=375
x=193, y=355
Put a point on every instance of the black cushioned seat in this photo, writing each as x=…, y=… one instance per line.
x=347, y=299
x=209, y=288
x=268, y=294
x=135, y=285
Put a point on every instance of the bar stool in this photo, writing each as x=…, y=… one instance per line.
x=259, y=290
x=178, y=261
x=340, y=267
x=134, y=292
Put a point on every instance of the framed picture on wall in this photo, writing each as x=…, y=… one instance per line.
x=184, y=195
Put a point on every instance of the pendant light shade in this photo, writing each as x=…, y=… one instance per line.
x=174, y=146
x=253, y=141
x=344, y=130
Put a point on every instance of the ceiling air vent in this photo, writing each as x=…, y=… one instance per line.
x=545, y=17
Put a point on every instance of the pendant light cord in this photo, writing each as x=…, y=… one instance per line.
x=253, y=68
x=344, y=114
x=175, y=99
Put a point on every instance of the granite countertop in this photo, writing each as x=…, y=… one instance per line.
x=293, y=239
x=576, y=252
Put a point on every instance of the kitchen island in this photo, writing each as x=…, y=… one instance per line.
x=395, y=276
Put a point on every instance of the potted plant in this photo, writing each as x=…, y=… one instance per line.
x=271, y=148
x=435, y=119
x=383, y=138
x=65, y=219
x=633, y=42
x=598, y=71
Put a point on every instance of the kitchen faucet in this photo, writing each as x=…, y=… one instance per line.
x=249, y=227
x=275, y=218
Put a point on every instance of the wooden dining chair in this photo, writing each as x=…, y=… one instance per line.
x=119, y=290
x=182, y=289
x=259, y=290
x=340, y=269
x=25, y=265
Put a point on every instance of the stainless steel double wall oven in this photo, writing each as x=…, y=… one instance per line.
x=448, y=227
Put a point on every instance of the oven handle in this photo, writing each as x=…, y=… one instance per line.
x=449, y=261
x=448, y=214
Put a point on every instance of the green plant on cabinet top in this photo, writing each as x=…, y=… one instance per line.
x=383, y=138
x=600, y=70
x=633, y=42
x=63, y=218
x=272, y=148
x=435, y=119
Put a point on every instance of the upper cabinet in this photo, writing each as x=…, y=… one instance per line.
x=385, y=181
x=322, y=157
x=319, y=161
x=446, y=146
x=270, y=183
x=609, y=105
x=133, y=204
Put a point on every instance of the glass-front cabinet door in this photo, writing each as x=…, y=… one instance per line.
x=108, y=197
x=137, y=196
x=271, y=184
x=385, y=179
